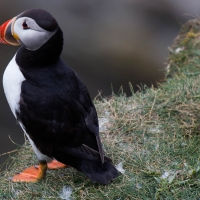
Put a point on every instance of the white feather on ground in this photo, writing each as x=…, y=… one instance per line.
x=66, y=193
x=169, y=175
x=119, y=167
x=103, y=122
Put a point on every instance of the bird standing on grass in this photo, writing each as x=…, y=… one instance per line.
x=50, y=101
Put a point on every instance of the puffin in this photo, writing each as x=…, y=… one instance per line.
x=50, y=101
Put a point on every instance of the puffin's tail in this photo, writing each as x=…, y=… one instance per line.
x=98, y=172
x=94, y=169
x=89, y=162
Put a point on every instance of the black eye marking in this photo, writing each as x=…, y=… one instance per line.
x=25, y=25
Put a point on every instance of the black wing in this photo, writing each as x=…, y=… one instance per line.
x=57, y=112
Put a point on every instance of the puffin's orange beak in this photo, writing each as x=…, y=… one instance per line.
x=6, y=33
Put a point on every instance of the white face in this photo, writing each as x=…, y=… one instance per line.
x=32, y=36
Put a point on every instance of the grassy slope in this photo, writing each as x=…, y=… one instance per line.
x=154, y=133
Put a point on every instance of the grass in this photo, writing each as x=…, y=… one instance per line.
x=155, y=133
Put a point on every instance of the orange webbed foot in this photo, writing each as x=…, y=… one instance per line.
x=31, y=174
x=56, y=165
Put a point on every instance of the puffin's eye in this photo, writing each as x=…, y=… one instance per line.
x=25, y=25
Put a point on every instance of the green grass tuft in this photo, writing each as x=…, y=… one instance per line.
x=154, y=133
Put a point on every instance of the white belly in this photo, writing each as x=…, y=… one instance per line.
x=12, y=80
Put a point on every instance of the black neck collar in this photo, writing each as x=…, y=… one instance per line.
x=46, y=55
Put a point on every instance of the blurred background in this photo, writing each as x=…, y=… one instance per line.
x=108, y=43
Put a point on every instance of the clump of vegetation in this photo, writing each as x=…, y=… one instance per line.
x=185, y=51
x=154, y=136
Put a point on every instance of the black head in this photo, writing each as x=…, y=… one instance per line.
x=33, y=28
x=44, y=19
x=38, y=33
x=40, y=36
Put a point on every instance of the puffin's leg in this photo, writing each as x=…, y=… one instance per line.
x=54, y=164
x=32, y=174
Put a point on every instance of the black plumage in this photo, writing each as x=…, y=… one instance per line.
x=57, y=112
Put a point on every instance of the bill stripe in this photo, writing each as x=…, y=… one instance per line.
x=3, y=28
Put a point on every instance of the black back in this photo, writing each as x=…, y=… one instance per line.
x=56, y=110
x=55, y=106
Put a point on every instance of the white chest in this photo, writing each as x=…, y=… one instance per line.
x=12, y=80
